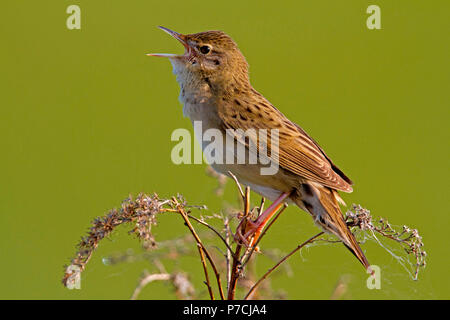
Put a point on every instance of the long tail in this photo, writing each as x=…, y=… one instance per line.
x=323, y=204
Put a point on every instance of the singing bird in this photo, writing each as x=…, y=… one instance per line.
x=215, y=89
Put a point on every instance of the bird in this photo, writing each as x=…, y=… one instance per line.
x=215, y=90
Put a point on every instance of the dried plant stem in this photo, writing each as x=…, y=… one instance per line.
x=147, y=279
x=234, y=273
x=212, y=229
x=235, y=270
x=229, y=250
x=261, y=206
x=279, y=263
x=203, y=252
x=200, y=250
x=142, y=213
x=238, y=184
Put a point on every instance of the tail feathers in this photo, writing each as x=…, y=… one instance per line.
x=358, y=254
x=323, y=205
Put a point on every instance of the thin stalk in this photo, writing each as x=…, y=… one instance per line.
x=279, y=263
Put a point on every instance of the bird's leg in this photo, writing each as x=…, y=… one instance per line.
x=254, y=228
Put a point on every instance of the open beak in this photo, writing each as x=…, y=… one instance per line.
x=179, y=37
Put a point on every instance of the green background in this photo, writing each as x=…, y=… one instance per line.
x=86, y=119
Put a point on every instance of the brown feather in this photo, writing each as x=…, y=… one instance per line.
x=323, y=205
x=298, y=153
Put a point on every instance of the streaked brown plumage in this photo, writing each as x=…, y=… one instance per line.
x=215, y=89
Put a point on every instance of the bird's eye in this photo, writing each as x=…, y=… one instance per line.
x=205, y=49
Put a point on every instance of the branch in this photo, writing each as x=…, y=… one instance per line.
x=278, y=264
x=146, y=280
x=202, y=250
x=236, y=258
x=212, y=229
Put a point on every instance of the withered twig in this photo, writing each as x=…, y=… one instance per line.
x=235, y=270
x=238, y=184
x=141, y=212
x=202, y=252
x=230, y=252
x=146, y=280
x=278, y=264
x=261, y=206
x=212, y=229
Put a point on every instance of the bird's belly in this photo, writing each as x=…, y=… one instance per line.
x=269, y=186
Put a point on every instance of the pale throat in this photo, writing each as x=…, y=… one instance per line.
x=199, y=103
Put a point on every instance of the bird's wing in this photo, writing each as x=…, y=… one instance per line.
x=298, y=152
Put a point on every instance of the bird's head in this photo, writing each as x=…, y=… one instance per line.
x=210, y=55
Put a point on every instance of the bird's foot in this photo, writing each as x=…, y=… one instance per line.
x=247, y=236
